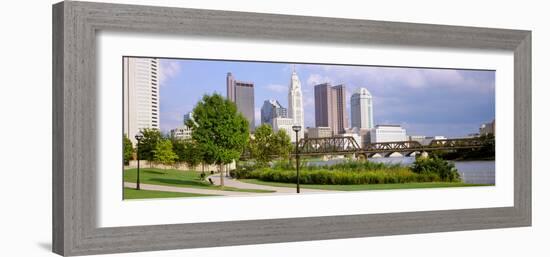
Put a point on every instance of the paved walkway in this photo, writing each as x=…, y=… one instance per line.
x=230, y=182
x=187, y=190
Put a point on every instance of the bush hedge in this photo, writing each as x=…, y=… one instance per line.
x=445, y=170
x=349, y=173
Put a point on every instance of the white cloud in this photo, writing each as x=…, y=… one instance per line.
x=277, y=88
x=388, y=76
x=315, y=79
x=308, y=100
x=168, y=70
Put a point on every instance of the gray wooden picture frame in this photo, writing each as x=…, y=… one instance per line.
x=75, y=25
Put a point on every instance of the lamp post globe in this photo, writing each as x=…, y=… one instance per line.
x=138, y=137
x=297, y=129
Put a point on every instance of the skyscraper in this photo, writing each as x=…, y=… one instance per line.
x=295, y=103
x=330, y=107
x=341, y=118
x=323, y=105
x=141, y=95
x=361, y=109
x=242, y=94
x=272, y=109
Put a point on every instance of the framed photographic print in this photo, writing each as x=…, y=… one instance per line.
x=246, y=128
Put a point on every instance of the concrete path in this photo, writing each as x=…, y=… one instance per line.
x=230, y=182
x=187, y=190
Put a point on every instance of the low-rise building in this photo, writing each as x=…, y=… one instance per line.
x=181, y=133
x=424, y=140
x=487, y=128
x=319, y=132
x=364, y=133
x=355, y=136
x=428, y=140
x=388, y=133
x=417, y=138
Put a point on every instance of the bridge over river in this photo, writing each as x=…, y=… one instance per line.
x=348, y=145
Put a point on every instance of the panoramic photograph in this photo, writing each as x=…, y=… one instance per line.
x=206, y=128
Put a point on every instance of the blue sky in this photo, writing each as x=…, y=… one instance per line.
x=428, y=102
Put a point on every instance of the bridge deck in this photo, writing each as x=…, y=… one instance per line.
x=348, y=145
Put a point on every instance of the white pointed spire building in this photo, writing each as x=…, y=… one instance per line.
x=295, y=104
x=361, y=109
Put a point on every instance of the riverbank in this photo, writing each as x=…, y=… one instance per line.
x=365, y=187
x=471, y=171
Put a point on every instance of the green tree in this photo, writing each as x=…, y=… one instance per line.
x=163, y=152
x=261, y=145
x=148, y=145
x=188, y=151
x=267, y=145
x=178, y=146
x=219, y=129
x=444, y=169
x=128, y=149
x=282, y=145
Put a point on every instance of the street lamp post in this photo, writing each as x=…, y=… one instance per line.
x=297, y=129
x=138, y=138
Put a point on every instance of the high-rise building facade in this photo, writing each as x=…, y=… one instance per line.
x=323, y=105
x=272, y=109
x=295, y=103
x=361, y=109
x=141, y=95
x=242, y=94
x=187, y=116
x=284, y=124
x=340, y=123
x=330, y=107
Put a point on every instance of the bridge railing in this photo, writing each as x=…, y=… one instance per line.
x=348, y=145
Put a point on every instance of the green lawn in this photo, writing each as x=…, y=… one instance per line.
x=131, y=193
x=177, y=178
x=365, y=186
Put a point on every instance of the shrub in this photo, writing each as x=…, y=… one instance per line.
x=444, y=169
x=323, y=176
x=353, y=173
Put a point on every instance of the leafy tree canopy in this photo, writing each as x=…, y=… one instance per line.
x=188, y=151
x=163, y=152
x=267, y=145
x=219, y=129
x=148, y=145
x=128, y=149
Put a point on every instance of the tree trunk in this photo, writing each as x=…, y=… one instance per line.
x=221, y=175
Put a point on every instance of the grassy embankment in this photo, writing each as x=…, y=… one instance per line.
x=131, y=193
x=177, y=178
x=357, y=175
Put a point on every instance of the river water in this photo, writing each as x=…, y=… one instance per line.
x=472, y=172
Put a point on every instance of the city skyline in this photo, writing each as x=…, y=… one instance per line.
x=427, y=102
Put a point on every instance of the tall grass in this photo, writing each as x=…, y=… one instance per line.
x=346, y=173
